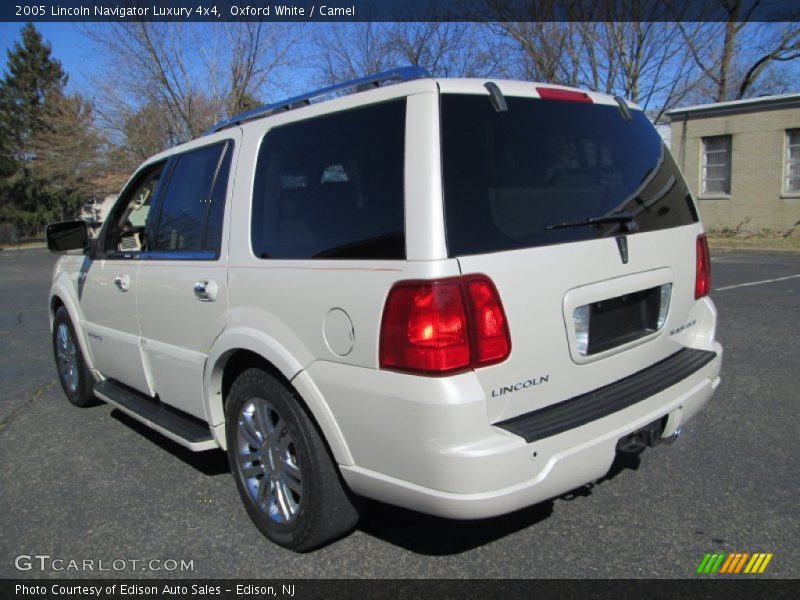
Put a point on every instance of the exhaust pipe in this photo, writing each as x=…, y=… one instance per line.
x=673, y=438
x=649, y=435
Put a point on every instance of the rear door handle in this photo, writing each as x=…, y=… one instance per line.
x=122, y=282
x=206, y=290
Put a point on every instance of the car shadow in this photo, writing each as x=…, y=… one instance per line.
x=623, y=461
x=417, y=532
x=435, y=536
x=209, y=462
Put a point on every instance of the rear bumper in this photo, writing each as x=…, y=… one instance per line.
x=441, y=457
x=599, y=403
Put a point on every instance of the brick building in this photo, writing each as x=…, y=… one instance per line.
x=741, y=160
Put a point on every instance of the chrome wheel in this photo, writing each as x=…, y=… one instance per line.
x=67, y=358
x=290, y=484
x=267, y=461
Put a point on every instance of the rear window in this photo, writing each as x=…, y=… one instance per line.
x=332, y=187
x=526, y=177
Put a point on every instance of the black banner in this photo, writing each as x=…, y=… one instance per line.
x=398, y=10
x=332, y=589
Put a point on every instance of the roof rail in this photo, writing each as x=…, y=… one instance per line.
x=360, y=84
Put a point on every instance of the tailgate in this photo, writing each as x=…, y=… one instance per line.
x=541, y=289
x=573, y=206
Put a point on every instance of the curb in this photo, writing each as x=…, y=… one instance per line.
x=15, y=248
x=733, y=248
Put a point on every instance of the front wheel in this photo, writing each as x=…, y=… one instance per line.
x=285, y=474
x=73, y=374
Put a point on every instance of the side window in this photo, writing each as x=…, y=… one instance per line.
x=332, y=187
x=216, y=210
x=131, y=216
x=192, y=206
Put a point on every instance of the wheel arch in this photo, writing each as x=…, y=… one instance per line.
x=240, y=349
x=59, y=296
x=55, y=303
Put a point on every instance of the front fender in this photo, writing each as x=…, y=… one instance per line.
x=65, y=287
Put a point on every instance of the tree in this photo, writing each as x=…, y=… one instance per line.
x=33, y=81
x=735, y=55
x=644, y=61
x=781, y=46
x=70, y=153
x=542, y=44
x=622, y=49
x=648, y=51
x=194, y=74
x=352, y=50
x=445, y=49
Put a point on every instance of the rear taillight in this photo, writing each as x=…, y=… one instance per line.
x=547, y=93
x=488, y=321
x=424, y=328
x=702, y=282
x=443, y=326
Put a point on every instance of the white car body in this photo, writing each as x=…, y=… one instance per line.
x=429, y=443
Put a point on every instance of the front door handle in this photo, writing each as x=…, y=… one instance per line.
x=206, y=290
x=122, y=282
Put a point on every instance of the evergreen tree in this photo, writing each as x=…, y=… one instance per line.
x=32, y=82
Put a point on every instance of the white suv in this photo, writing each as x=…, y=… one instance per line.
x=458, y=296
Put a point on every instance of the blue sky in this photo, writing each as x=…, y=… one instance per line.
x=70, y=46
x=81, y=57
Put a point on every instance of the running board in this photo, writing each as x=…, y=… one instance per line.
x=180, y=427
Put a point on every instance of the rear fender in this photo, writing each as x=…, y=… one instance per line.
x=258, y=342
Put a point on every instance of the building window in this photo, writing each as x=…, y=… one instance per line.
x=716, y=165
x=791, y=182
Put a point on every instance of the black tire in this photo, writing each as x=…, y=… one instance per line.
x=73, y=374
x=286, y=477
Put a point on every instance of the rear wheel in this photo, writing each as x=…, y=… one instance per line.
x=285, y=474
x=73, y=374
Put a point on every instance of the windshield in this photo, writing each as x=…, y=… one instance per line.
x=548, y=172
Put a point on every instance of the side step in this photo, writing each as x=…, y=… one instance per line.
x=180, y=427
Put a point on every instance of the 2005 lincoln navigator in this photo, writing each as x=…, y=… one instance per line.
x=459, y=296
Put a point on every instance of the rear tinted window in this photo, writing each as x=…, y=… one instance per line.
x=510, y=177
x=332, y=187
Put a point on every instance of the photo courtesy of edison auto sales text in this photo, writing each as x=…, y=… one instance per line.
x=123, y=589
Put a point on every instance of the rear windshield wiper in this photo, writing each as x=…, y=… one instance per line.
x=627, y=220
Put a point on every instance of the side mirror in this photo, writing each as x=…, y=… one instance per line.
x=66, y=236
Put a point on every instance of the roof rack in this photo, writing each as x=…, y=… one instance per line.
x=360, y=84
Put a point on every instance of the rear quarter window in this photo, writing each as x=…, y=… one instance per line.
x=332, y=187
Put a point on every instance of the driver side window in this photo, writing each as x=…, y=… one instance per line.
x=128, y=230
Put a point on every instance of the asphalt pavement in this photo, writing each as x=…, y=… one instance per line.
x=94, y=485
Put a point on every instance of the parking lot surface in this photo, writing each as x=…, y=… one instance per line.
x=92, y=484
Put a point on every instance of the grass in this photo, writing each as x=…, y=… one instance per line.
x=753, y=240
x=28, y=245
